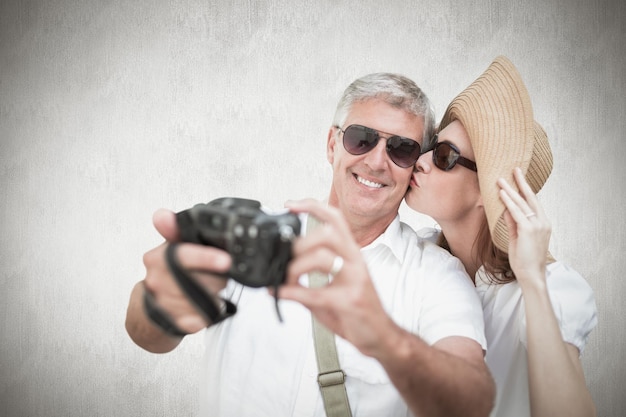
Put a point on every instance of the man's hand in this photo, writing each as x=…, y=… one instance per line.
x=349, y=305
x=196, y=259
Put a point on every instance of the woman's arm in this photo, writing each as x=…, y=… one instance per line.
x=556, y=380
x=555, y=374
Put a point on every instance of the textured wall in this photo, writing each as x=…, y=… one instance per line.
x=111, y=109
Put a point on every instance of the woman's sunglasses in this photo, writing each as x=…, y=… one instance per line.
x=446, y=156
x=359, y=140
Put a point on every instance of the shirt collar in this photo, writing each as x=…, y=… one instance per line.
x=391, y=238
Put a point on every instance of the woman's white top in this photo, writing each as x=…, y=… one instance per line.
x=505, y=328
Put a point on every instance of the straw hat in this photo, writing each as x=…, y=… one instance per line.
x=497, y=114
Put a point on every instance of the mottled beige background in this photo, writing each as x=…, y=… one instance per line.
x=111, y=109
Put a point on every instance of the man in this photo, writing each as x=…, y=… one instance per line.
x=409, y=320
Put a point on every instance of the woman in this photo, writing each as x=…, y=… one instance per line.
x=538, y=312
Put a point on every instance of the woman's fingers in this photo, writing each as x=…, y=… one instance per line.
x=528, y=227
x=521, y=206
x=527, y=191
x=514, y=196
x=511, y=225
x=513, y=206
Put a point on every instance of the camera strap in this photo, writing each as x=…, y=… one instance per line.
x=159, y=316
x=199, y=297
x=330, y=378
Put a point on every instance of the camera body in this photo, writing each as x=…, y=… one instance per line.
x=259, y=243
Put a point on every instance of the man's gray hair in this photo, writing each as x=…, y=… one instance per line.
x=394, y=89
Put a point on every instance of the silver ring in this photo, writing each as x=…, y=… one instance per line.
x=529, y=215
x=337, y=265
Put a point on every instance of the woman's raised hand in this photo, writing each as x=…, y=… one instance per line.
x=529, y=229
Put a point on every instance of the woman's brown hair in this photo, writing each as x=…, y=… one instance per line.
x=494, y=261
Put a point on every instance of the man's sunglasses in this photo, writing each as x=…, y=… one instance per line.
x=446, y=156
x=359, y=140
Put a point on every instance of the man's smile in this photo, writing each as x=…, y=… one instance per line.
x=368, y=183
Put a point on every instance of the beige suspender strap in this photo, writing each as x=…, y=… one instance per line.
x=330, y=376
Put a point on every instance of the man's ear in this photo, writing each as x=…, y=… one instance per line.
x=330, y=144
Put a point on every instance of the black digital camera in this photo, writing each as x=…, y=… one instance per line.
x=259, y=243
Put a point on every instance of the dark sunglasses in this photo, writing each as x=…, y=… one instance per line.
x=446, y=156
x=358, y=140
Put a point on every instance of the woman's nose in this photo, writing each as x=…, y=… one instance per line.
x=423, y=163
